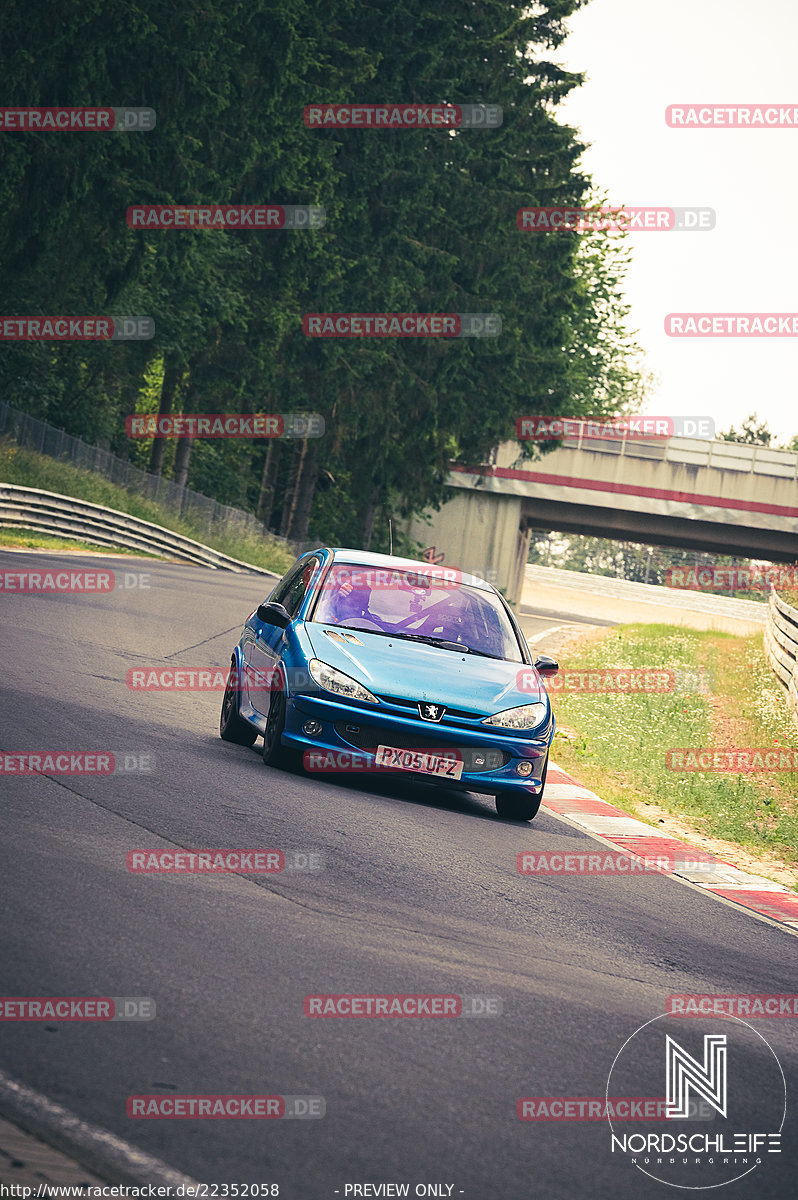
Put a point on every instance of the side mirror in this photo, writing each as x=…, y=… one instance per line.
x=546, y=666
x=274, y=614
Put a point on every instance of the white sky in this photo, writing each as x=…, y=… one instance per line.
x=639, y=57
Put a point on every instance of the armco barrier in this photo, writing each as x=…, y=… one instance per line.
x=64, y=515
x=781, y=646
x=208, y=516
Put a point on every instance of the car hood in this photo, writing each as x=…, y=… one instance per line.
x=416, y=671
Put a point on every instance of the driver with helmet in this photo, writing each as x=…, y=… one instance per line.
x=344, y=600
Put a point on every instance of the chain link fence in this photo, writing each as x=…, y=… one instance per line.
x=208, y=516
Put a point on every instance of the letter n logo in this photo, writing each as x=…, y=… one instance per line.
x=683, y=1072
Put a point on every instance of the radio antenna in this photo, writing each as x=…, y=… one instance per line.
x=390, y=536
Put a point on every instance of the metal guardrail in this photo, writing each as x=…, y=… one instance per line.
x=78, y=519
x=681, y=451
x=208, y=516
x=781, y=646
x=698, y=452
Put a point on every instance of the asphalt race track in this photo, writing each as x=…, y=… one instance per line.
x=418, y=892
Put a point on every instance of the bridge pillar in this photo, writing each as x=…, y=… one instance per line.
x=480, y=532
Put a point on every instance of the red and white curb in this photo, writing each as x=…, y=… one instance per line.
x=568, y=798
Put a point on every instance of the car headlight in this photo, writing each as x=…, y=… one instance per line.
x=339, y=684
x=529, y=716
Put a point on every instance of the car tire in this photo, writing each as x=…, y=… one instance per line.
x=513, y=807
x=274, y=753
x=231, y=726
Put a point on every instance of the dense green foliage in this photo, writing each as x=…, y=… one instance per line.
x=417, y=221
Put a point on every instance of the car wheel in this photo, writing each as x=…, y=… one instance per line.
x=512, y=807
x=274, y=753
x=231, y=727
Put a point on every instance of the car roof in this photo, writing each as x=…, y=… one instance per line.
x=364, y=558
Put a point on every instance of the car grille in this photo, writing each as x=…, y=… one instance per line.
x=412, y=706
x=369, y=737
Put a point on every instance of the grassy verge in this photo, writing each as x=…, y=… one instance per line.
x=34, y=539
x=29, y=469
x=725, y=696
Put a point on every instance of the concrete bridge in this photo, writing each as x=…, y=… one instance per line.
x=712, y=496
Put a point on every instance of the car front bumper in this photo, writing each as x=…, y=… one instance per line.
x=384, y=725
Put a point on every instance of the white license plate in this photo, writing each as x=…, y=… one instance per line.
x=423, y=761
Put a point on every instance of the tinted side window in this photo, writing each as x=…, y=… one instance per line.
x=284, y=586
x=298, y=585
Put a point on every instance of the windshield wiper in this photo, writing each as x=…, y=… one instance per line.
x=430, y=640
x=448, y=645
x=444, y=643
x=416, y=637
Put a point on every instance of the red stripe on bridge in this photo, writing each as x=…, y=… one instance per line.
x=601, y=485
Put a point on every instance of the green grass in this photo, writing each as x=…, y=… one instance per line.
x=29, y=469
x=623, y=738
x=34, y=539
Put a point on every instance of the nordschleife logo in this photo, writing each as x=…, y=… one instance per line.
x=725, y=1102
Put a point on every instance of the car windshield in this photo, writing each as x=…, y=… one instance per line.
x=413, y=604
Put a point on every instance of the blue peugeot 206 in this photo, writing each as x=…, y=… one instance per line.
x=362, y=661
